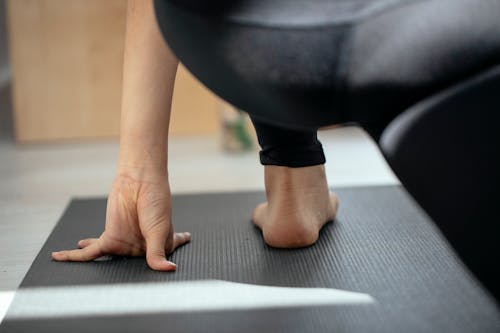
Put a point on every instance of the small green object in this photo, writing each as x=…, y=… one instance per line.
x=241, y=133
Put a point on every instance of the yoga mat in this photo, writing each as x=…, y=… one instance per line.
x=381, y=245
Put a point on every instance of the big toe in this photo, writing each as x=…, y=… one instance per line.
x=334, y=206
x=259, y=214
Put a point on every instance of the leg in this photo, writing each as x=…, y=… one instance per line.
x=299, y=202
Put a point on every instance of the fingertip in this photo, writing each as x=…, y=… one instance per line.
x=83, y=243
x=187, y=235
x=57, y=255
x=163, y=265
x=171, y=266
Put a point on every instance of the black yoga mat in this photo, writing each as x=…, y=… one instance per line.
x=381, y=244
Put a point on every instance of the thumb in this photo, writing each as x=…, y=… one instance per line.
x=155, y=250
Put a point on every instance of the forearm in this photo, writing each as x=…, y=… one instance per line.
x=148, y=79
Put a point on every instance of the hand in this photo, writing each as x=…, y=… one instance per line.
x=138, y=222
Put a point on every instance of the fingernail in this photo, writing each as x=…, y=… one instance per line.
x=171, y=263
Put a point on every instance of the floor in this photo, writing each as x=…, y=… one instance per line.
x=37, y=181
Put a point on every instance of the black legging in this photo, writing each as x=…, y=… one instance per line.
x=286, y=113
x=288, y=147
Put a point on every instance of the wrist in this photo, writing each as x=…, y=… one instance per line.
x=142, y=162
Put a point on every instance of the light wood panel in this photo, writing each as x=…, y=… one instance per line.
x=195, y=110
x=66, y=59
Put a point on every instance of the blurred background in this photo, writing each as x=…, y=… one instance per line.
x=60, y=90
x=66, y=61
x=6, y=123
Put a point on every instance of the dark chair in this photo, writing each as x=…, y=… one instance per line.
x=421, y=76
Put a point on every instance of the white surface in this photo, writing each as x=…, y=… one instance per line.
x=188, y=296
x=37, y=182
x=5, y=300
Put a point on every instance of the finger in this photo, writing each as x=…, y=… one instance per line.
x=181, y=238
x=86, y=242
x=91, y=252
x=155, y=250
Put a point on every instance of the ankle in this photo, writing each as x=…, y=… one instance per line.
x=285, y=180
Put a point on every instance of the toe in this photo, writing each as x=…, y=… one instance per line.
x=334, y=200
x=259, y=214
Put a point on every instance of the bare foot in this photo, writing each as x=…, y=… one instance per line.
x=299, y=205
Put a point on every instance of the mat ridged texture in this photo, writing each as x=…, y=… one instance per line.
x=381, y=244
